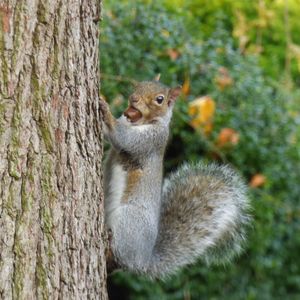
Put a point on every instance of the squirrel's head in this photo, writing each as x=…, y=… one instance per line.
x=150, y=101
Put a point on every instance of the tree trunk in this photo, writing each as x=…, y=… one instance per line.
x=51, y=201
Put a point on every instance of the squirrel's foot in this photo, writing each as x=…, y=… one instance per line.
x=111, y=264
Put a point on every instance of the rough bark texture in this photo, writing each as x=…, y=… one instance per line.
x=51, y=201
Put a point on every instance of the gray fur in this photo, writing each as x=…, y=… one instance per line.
x=135, y=224
x=201, y=211
x=209, y=225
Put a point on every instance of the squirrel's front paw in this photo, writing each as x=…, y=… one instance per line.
x=104, y=107
x=108, y=118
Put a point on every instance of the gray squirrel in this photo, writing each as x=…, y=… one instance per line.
x=159, y=225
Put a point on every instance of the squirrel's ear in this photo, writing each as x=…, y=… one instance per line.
x=157, y=77
x=134, y=83
x=174, y=93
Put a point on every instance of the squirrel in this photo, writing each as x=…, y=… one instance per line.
x=159, y=225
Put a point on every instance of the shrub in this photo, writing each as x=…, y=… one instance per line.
x=254, y=128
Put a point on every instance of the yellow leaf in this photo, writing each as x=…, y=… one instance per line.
x=241, y=30
x=186, y=87
x=202, y=111
x=257, y=180
x=265, y=15
x=227, y=136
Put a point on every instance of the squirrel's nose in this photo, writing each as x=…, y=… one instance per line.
x=134, y=99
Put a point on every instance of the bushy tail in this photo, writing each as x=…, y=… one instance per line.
x=204, y=215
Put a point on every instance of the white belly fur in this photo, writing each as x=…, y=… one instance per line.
x=116, y=189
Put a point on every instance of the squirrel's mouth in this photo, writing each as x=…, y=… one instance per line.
x=133, y=114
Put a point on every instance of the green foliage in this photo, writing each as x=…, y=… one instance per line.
x=271, y=28
x=142, y=39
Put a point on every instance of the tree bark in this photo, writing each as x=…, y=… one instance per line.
x=51, y=201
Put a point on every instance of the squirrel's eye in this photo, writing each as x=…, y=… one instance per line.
x=159, y=99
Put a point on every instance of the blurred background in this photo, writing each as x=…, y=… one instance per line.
x=239, y=65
